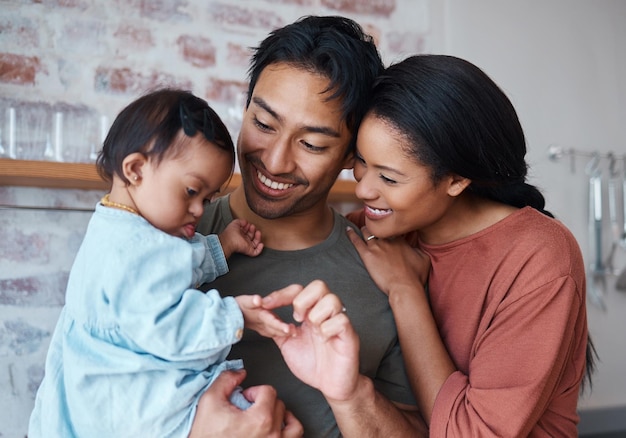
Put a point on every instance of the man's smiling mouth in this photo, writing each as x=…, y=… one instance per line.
x=272, y=184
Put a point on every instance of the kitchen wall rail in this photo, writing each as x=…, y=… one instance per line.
x=557, y=152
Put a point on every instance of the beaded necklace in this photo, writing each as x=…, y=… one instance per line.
x=107, y=203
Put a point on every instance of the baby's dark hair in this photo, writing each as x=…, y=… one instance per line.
x=150, y=125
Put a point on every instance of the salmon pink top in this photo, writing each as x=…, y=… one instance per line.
x=509, y=302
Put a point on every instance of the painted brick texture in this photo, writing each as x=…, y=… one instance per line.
x=86, y=60
x=19, y=69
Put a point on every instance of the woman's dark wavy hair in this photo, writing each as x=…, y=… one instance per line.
x=332, y=46
x=458, y=121
x=150, y=125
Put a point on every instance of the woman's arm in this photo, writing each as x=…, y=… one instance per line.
x=401, y=271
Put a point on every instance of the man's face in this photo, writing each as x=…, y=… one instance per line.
x=292, y=143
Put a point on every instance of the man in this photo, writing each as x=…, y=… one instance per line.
x=309, y=84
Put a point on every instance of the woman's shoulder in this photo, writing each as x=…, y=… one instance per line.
x=545, y=240
x=544, y=229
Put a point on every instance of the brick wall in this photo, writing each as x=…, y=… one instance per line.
x=90, y=58
x=87, y=59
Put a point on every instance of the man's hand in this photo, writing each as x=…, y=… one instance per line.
x=324, y=350
x=267, y=417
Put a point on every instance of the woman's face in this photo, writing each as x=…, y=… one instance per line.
x=398, y=192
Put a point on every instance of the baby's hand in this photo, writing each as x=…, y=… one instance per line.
x=242, y=237
x=261, y=320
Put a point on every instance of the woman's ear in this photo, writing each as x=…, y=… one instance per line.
x=457, y=185
x=132, y=167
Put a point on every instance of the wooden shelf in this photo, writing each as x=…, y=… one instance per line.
x=52, y=174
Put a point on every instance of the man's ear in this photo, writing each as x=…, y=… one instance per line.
x=133, y=166
x=457, y=184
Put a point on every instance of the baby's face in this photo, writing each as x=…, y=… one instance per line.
x=172, y=193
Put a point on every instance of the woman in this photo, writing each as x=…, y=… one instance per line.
x=496, y=344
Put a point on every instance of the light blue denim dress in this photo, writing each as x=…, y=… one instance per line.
x=135, y=345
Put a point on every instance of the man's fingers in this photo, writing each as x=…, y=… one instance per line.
x=227, y=381
x=316, y=303
x=293, y=428
x=261, y=395
x=325, y=308
x=335, y=326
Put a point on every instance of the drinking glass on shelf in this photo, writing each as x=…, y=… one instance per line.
x=33, y=130
x=82, y=134
x=56, y=151
x=103, y=130
x=8, y=129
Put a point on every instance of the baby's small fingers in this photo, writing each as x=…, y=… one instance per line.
x=256, y=300
x=257, y=249
x=245, y=229
x=273, y=325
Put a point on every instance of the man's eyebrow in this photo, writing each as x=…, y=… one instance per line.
x=263, y=104
x=326, y=130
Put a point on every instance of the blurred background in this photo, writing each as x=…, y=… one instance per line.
x=68, y=66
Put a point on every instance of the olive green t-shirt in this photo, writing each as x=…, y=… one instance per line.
x=336, y=262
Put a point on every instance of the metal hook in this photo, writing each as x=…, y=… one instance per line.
x=612, y=163
x=555, y=152
x=593, y=166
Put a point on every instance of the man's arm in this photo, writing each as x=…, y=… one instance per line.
x=368, y=413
